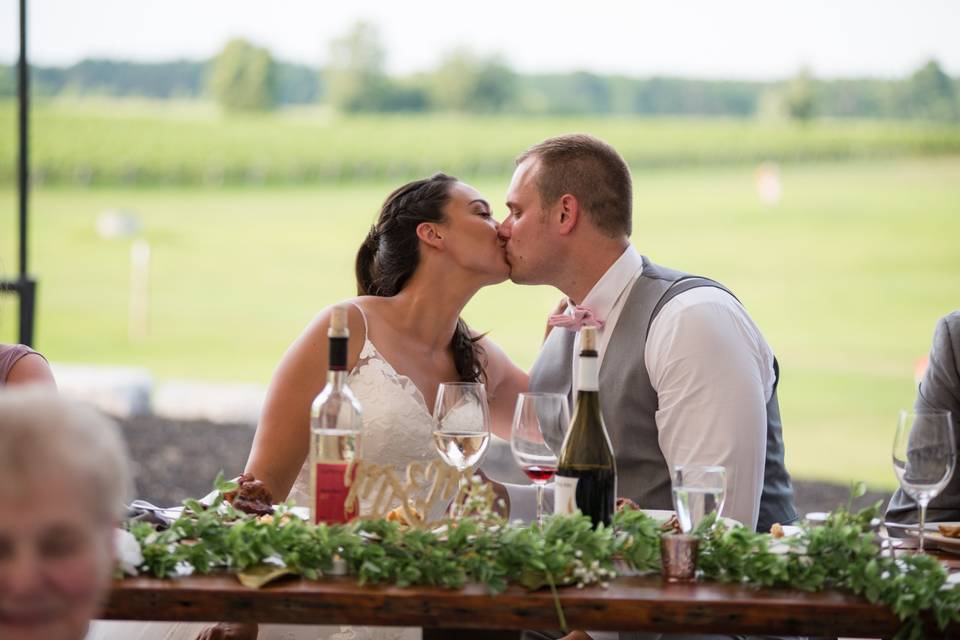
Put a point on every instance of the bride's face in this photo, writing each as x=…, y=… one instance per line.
x=470, y=234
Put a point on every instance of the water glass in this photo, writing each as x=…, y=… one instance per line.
x=697, y=491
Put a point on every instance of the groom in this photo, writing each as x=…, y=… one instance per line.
x=685, y=375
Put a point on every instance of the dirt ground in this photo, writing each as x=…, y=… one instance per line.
x=176, y=460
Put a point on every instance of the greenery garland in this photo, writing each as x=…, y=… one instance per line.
x=843, y=553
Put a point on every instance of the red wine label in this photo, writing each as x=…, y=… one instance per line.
x=565, y=495
x=331, y=494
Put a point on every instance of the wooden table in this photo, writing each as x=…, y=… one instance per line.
x=632, y=603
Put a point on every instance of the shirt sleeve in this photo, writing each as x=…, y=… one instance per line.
x=713, y=374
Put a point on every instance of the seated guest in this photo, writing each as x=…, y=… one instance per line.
x=64, y=479
x=19, y=364
x=939, y=390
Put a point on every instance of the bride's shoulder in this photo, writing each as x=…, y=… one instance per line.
x=356, y=320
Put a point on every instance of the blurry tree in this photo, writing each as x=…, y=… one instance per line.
x=932, y=94
x=243, y=77
x=355, y=79
x=799, y=98
x=468, y=83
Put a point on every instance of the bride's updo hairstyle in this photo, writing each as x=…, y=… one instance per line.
x=391, y=252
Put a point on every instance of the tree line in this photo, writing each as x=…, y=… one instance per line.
x=245, y=77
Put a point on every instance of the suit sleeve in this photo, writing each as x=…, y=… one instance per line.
x=940, y=387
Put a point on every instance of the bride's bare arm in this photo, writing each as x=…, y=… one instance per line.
x=504, y=381
x=283, y=433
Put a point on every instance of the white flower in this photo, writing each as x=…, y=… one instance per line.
x=183, y=569
x=127, y=550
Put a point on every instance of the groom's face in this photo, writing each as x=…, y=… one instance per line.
x=525, y=230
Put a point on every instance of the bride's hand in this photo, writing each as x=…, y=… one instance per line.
x=230, y=631
x=557, y=310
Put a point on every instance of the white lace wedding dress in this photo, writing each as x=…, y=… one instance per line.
x=397, y=430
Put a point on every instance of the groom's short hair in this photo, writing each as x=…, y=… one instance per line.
x=592, y=171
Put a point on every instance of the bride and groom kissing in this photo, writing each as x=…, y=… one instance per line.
x=685, y=375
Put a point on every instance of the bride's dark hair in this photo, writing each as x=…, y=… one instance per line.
x=391, y=252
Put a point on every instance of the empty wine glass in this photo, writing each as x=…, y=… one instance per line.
x=462, y=424
x=924, y=456
x=539, y=423
x=697, y=491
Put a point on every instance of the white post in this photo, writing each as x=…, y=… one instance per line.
x=139, y=289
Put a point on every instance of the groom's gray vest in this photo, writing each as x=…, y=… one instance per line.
x=629, y=402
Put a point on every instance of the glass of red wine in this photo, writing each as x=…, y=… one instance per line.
x=539, y=423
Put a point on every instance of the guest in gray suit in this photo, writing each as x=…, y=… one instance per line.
x=939, y=390
x=685, y=375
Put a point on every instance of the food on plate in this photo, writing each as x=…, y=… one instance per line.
x=950, y=530
x=672, y=525
x=399, y=514
x=776, y=530
x=622, y=503
x=251, y=496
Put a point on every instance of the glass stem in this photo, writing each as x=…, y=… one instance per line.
x=923, y=521
x=540, y=505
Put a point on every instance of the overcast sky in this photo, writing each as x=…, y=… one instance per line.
x=753, y=39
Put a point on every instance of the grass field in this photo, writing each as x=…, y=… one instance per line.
x=84, y=142
x=846, y=278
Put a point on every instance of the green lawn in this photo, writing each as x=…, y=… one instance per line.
x=846, y=278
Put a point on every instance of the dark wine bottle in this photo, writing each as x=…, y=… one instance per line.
x=586, y=471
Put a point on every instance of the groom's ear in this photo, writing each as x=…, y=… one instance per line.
x=429, y=233
x=569, y=213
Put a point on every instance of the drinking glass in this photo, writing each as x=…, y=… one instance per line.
x=697, y=491
x=539, y=423
x=462, y=424
x=924, y=456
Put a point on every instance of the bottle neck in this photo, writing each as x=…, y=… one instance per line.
x=337, y=369
x=337, y=378
x=588, y=373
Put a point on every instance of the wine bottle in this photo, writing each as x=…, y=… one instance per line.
x=586, y=471
x=335, y=426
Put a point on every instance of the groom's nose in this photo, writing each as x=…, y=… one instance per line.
x=503, y=232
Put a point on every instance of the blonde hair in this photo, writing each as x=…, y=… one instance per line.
x=42, y=432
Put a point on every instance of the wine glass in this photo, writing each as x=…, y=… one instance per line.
x=924, y=456
x=697, y=491
x=539, y=423
x=462, y=424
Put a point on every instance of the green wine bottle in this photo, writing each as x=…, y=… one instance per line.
x=587, y=471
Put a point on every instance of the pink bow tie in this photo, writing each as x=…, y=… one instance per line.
x=582, y=317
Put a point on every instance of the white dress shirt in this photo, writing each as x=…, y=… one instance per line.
x=713, y=374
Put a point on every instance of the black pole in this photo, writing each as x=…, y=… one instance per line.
x=26, y=286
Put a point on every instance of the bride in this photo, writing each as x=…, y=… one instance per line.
x=433, y=247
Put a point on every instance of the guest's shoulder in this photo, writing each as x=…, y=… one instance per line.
x=946, y=337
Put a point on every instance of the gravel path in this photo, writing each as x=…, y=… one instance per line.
x=179, y=459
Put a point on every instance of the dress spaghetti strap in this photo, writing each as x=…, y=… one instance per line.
x=366, y=325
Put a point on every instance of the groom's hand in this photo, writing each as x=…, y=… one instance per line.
x=557, y=310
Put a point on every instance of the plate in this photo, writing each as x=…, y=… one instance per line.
x=662, y=515
x=912, y=526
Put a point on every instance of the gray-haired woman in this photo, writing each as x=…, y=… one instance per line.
x=64, y=478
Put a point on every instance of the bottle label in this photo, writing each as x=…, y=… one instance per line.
x=330, y=503
x=565, y=495
x=588, y=378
